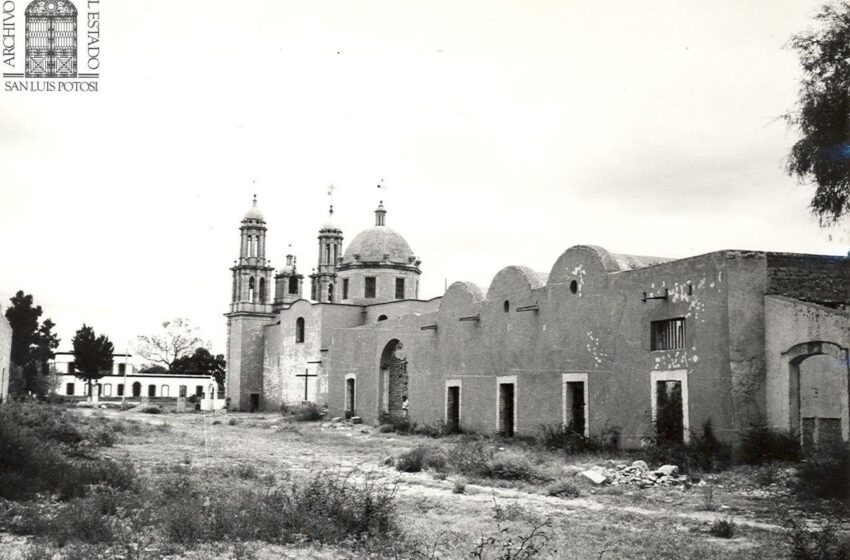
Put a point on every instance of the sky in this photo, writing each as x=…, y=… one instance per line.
x=504, y=131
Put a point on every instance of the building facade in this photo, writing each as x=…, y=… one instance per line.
x=621, y=346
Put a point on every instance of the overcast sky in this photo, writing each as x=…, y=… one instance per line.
x=505, y=132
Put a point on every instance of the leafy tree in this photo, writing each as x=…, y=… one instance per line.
x=201, y=362
x=178, y=338
x=92, y=354
x=822, y=155
x=32, y=344
x=153, y=369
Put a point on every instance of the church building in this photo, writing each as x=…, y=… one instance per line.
x=618, y=346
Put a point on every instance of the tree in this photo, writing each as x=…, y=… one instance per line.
x=178, y=338
x=201, y=362
x=822, y=155
x=32, y=344
x=92, y=354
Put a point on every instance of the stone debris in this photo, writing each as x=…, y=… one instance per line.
x=594, y=476
x=636, y=474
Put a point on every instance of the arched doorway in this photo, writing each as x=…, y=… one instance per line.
x=818, y=396
x=393, y=379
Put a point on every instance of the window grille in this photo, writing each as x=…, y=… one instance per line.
x=668, y=334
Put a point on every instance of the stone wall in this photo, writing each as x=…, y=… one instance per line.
x=815, y=278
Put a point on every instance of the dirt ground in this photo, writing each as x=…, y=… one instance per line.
x=601, y=523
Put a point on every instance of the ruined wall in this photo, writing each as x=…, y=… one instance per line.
x=815, y=278
x=5, y=357
x=790, y=323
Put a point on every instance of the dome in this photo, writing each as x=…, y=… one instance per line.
x=254, y=213
x=372, y=244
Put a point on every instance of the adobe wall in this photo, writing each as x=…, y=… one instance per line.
x=589, y=319
x=815, y=278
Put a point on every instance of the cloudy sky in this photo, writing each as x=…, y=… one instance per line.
x=505, y=131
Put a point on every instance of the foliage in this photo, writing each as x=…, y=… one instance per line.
x=564, y=438
x=828, y=543
x=762, y=445
x=723, y=528
x=153, y=369
x=178, y=338
x=824, y=474
x=504, y=546
x=92, y=354
x=33, y=344
x=44, y=449
x=419, y=458
x=822, y=155
x=200, y=362
x=563, y=489
x=307, y=412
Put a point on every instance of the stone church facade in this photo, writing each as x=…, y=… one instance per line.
x=623, y=346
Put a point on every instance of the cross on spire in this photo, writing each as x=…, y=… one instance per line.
x=331, y=190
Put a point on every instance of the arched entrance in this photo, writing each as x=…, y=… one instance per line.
x=818, y=375
x=393, y=379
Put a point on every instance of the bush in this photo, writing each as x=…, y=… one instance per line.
x=391, y=423
x=826, y=544
x=825, y=474
x=564, y=489
x=459, y=487
x=469, y=458
x=763, y=445
x=703, y=453
x=564, y=438
x=419, y=458
x=308, y=413
x=510, y=465
x=152, y=410
x=723, y=528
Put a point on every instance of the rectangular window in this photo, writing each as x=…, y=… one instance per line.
x=107, y=390
x=72, y=367
x=120, y=388
x=345, y=288
x=151, y=390
x=399, y=288
x=371, y=287
x=199, y=390
x=668, y=334
x=122, y=369
x=69, y=389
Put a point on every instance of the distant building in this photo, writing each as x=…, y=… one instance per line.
x=611, y=345
x=125, y=381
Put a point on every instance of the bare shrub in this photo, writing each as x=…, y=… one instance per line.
x=723, y=528
x=827, y=543
x=762, y=445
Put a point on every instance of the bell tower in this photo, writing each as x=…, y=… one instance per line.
x=288, y=284
x=323, y=279
x=250, y=310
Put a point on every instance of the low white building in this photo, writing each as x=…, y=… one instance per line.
x=125, y=381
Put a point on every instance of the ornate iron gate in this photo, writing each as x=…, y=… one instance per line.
x=51, y=39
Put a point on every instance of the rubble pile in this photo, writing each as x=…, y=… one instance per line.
x=637, y=474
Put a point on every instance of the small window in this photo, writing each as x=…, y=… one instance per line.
x=399, y=288
x=506, y=306
x=299, y=330
x=163, y=391
x=251, y=289
x=107, y=390
x=330, y=293
x=69, y=389
x=262, y=290
x=72, y=367
x=573, y=287
x=122, y=369
x=345, y=288
x=668, y=334
x=119, y=388
x=151, y=390
x=382, y=318
x=199, y=390
x=371, y=287
x=293, y=284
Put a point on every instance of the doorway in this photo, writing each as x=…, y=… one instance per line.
x=453, y=408
x=349, y=397
x=507, y=409
x=254, y=404
x=393, y=378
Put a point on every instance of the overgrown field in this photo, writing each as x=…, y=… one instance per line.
x=109, y=484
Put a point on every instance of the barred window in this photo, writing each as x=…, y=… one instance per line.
x=668, y=334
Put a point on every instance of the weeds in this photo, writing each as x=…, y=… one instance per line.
x=828, y=543
x=764, y=445
x=722, y=528
x=825, y=474
x=505, y=546
x=564, y=489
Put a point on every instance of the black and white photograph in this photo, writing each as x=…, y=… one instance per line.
x=504, y=280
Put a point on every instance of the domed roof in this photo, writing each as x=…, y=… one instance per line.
x=372, y=244
x=254, y=213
